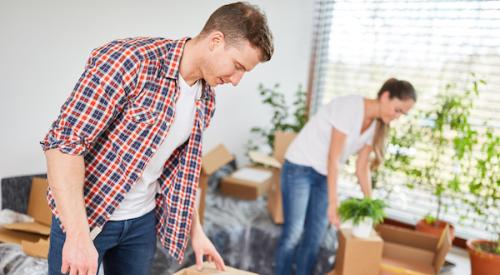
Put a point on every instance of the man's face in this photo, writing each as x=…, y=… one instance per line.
x=226, y=63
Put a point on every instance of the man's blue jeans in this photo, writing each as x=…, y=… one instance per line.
x=305, y=206
x=124, y=247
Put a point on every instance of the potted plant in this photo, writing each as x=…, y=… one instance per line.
x=281, y=119
x=446, y=134
x=363, y=213
x=484, y=185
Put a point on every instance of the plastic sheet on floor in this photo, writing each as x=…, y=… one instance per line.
x=14, y=261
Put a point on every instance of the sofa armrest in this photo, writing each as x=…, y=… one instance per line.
x=16, y=191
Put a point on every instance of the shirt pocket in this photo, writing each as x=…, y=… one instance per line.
x=142, y=115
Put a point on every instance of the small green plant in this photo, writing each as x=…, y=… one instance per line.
x=430, y=219
x=357, y=209
x=280, y=119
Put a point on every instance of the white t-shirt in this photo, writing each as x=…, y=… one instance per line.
x=311, y=146
x=141, y=198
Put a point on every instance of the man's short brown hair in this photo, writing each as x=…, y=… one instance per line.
x=239, y=21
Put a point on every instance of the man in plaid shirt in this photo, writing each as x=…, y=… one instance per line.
x=124, y=155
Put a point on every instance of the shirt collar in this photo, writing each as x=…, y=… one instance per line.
x=174, y=56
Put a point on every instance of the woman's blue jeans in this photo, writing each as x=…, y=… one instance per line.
x=305, y=205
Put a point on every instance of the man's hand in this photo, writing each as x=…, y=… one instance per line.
x=203, y=246
x=79, y=255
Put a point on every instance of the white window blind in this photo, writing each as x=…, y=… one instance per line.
x=359, y=44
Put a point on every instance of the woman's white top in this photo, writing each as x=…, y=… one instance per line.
x=311, y=146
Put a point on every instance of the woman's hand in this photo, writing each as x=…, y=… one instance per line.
x=333, y=216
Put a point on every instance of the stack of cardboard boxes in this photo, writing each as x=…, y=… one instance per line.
x=212, y=161
x=274, y=200
x=247, y=183
x=251, y=182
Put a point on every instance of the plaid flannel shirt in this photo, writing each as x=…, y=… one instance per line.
x=117, y=116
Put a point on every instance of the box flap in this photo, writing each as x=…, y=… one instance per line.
x=31, y=227
x=281, y=142
x=209, y=268
x=443, y=247
x=408, y=254
x=407, y=237
x=38, y=207
x=36, y=249
x=11, y=236
x=347, y=234
x=395, y=267
x=263, y=159
x=215, y=159
x=250, y=174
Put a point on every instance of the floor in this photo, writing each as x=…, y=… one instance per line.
x=460, y=258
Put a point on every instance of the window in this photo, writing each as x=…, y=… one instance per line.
x=359, y=44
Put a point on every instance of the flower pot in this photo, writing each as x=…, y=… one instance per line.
x=482, y=262
x=436, y=228
x=363, y=229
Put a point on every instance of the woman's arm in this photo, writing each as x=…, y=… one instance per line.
x=336, y=147
x=363, y=170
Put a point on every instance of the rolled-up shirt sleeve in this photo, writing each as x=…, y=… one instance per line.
x=109, y=77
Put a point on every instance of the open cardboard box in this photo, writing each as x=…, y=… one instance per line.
x=274, y=200
x=32, y=236
x=411, y=252
x=209, y=268
x=357, y=256
x=212, y=161
x=247, y=186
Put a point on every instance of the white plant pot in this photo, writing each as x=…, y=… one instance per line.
x=363, y=229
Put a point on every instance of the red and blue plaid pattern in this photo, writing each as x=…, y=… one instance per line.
x=117, y=116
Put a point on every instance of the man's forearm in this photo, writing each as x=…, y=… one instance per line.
x=196, y=225
x=66, y=176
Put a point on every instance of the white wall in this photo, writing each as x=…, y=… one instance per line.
x=44, y=46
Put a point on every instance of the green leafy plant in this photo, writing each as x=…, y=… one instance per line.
x=446, y=134
x=281, y=119
x=357, y=209
x=398, y=157
x=484, y=186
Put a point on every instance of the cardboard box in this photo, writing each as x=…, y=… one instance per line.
x=209, y=268
x=246, y=186
x=356, y=256
x=212, y=161
x=411, y=252
x=274, y=200
x=33, y=236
